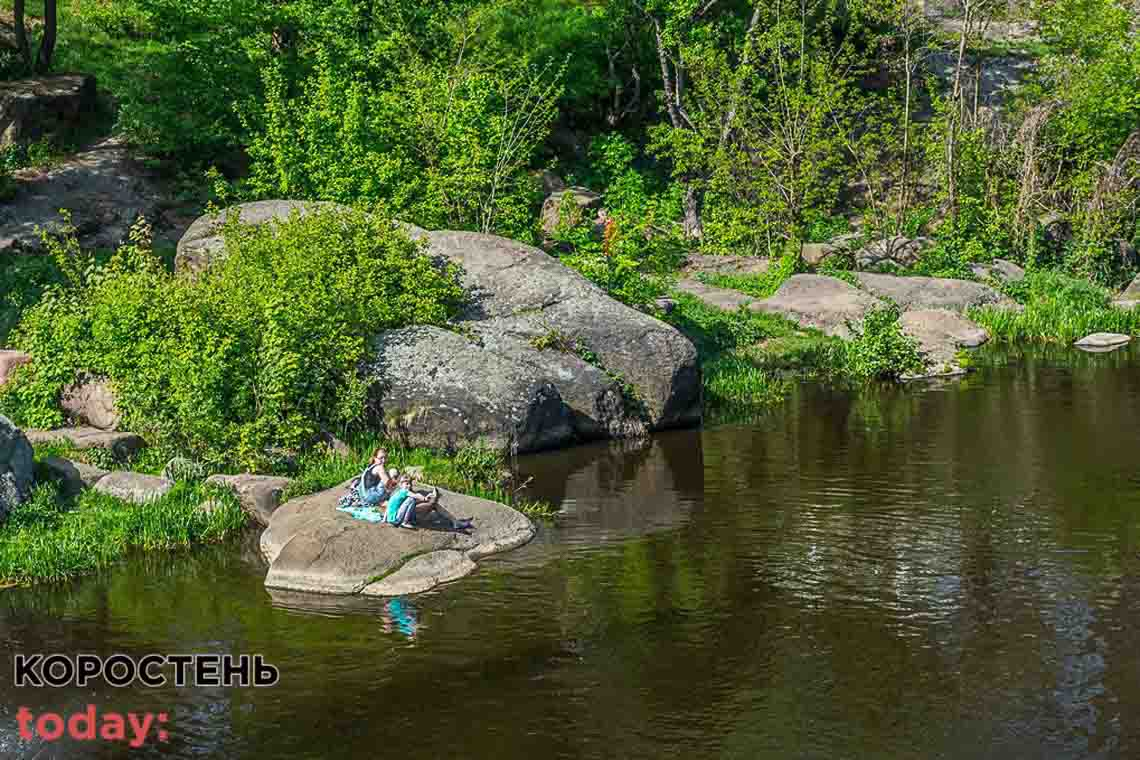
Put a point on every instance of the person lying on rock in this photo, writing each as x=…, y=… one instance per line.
x=406, y=508
x=377, y=482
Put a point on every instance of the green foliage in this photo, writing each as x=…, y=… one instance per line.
x=1059, y=308
x=880, y=350
x=262, y=349
x=52, y=539
x=760, y=285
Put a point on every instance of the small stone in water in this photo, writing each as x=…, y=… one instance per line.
x=1103, y=341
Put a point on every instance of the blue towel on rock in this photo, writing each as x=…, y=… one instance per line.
x=367, y=514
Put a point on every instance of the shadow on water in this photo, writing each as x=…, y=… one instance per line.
x=940, y=570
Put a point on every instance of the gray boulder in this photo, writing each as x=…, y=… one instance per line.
x=73, y=477
x=9, y=362
x=1131, y=294
x=815, y=254
x=91, y=401
x=16, y=467
x=259, y=495
x=440, y=389
x=1102, y=342
x=123, y=446
x=311, y=546
x=203, y=241
x=825, y=303
x=941, y=334
x=134, y=487
x=898, y=250
x=103, y=187
x=1000, y=270
x=32, y=109
x=933, y=292
x=521, y=291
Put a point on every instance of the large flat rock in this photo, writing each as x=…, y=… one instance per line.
x=313, y=547
x=825, y=303
x=730, y=265
x=123, y=445
x=103, y=187
x=933, y=292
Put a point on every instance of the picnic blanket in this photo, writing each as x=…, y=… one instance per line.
x=351, y=504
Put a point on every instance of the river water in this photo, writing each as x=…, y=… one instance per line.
x=940, y=571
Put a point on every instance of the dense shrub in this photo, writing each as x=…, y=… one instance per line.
x=263, y=349
x=880, y=350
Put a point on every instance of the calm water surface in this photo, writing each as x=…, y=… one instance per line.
x=944, y=571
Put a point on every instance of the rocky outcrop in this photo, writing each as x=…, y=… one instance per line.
x=10, y=361
x=543, y=356
x=123, y=446
x=16, y=467
x=134, y=487
x=941, y=334
x=259, y=495
x=825, y=303
x=103, y=188
x=1130, y=297
x=1103, y=342
x=815, y=254
x=932, y=292
x=73, y=477
x=898, y=251
x=523, y=298
x=32, y=109
x=204, y=239
x=91, y=401
x=311, y=546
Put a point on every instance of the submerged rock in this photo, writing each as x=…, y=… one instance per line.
x=933, y=292
x=1102, y=341
x=16, y=467
x=134, y=487
x=259, y=495
x=311, y=546
x=825, y=303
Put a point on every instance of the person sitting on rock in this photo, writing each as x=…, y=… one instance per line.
x=406, y=508
x=377, y=482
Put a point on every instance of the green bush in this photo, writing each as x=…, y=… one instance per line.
x=262, y=349
x=880, y=350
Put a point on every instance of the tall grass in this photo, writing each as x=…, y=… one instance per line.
x=52, y=539
x=1058, y=309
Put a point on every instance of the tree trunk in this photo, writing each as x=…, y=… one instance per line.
x=21, y=32
x=47, y=44
x=693, y=228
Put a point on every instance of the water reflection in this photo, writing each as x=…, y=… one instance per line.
x=938, y=571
